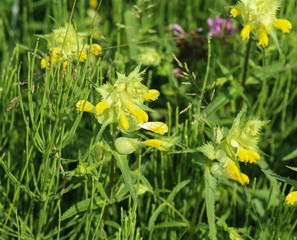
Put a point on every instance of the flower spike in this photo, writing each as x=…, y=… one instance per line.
x=259, y=16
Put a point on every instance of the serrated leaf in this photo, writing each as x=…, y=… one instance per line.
x=208, y=150
x=124, y=167
x=81, y=206
x=210, y=188
x=290, y=156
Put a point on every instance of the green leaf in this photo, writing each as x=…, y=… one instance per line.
x=223, y=99
x=176, y=189
x=172, y=224
x=286, y=180
x=124, y=167
x=208, y=150
x=292, y=168
x=82, y=206
x=210, y=188
x=154, y=216
x=171, y=196
x=240, y=117
x=290, y=156
x=16, y=181
x=274, y=37
x=102, y=192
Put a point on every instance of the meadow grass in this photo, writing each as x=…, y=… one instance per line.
x=62, y=176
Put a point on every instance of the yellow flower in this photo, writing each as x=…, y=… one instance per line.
x=236, y=175
x=140, y=115
x=245, y=33
x=157, y=127
x=235, y=12
x=82, y=56
x=56, y=55
x=247, y=155
x=101, y=107
x=263, y=38
x=96, y=49
x=244, y=136
x=64, y=66
x=291, y=198
x=122, y=103
x=258, y=17
x=124, y=122
x=93, y=3
x=43, y=63
x=282, y=24
x=85, y=106
x=153, y=143
x=153, y=94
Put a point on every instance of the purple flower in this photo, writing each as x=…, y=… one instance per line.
x=177, y=30
x=218, y=25
x=229, y=30
x=215, y=28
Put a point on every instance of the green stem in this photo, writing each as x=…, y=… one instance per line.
x=246, y=61
x=111, y=175
x=196, y=210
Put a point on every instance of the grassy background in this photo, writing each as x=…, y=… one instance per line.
x=41, y=131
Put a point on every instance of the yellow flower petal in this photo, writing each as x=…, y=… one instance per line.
x=140, y=115
x=86, y=107
x=291, y=198
x=56, y=55
x=93, y=3
x=247, y=155
x=242, y=154
x=245, y=32
x=153, y=94
x=43, y=63
x=153, y=143
x=235, y=12
x=64, y=66
x=101, y=107
x=96, y=49
x=263, y=38
x=282, y=24
x=157, y=127
x=236, y=175
x=253, y=156
x=82, y=56
x=124, y=122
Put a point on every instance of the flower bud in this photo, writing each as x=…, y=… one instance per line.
x=126, y=145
